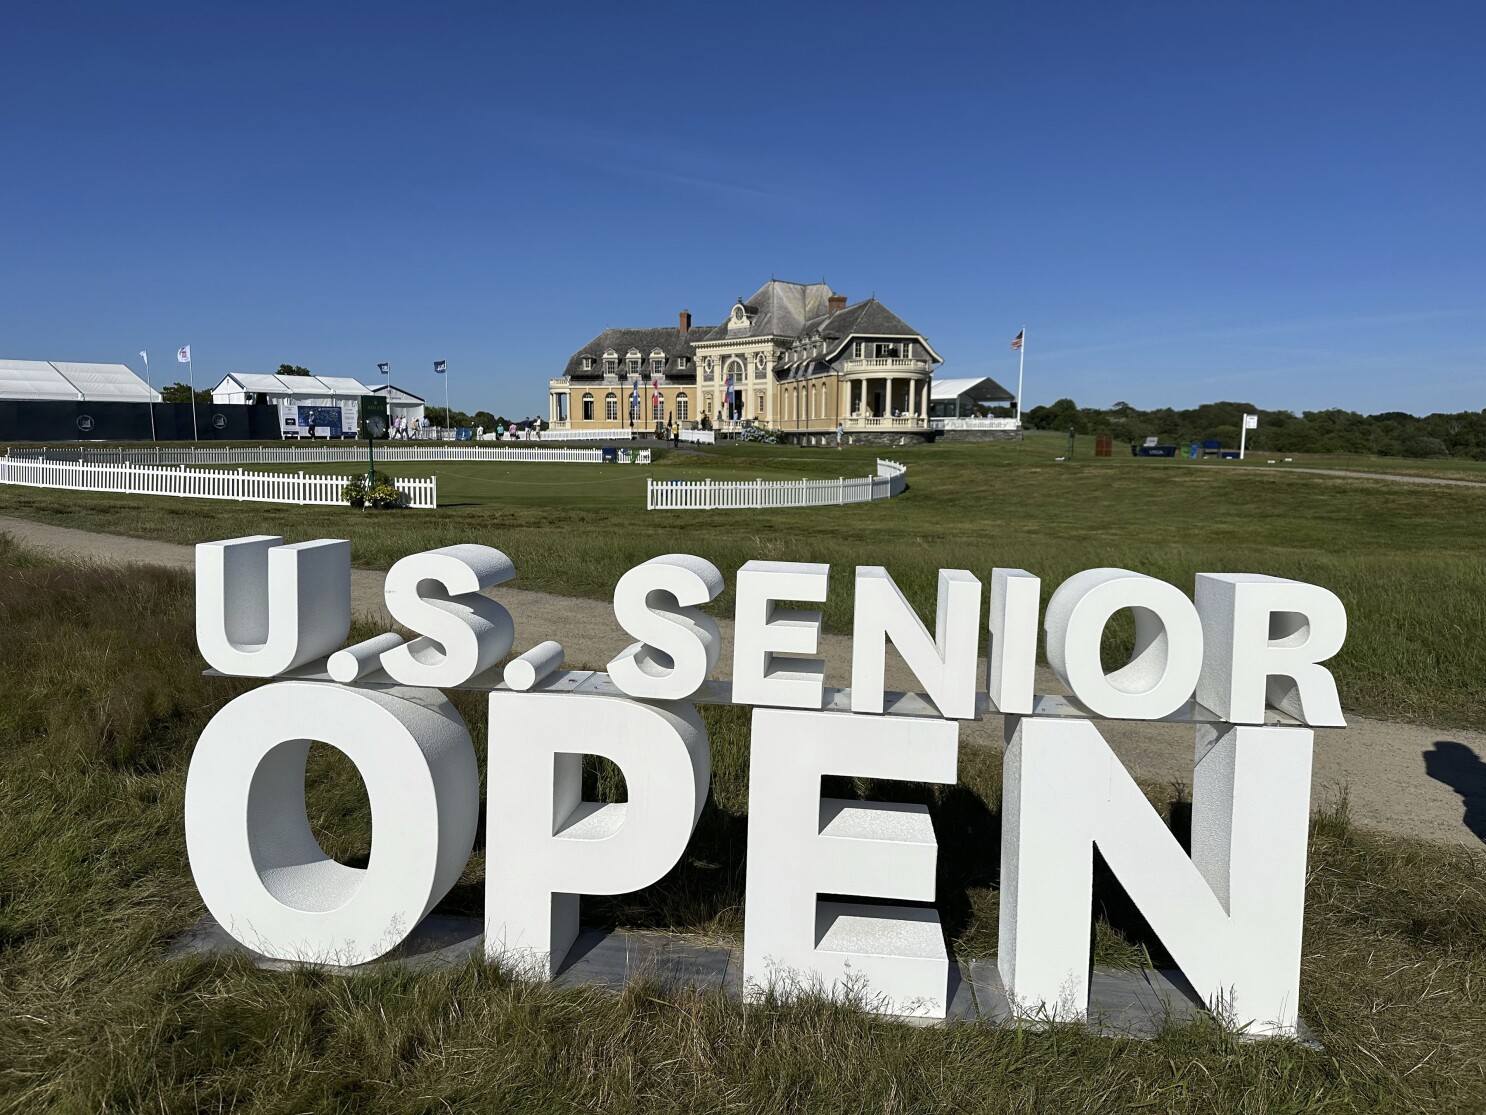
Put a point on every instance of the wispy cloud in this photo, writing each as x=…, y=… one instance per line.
x=639, y=155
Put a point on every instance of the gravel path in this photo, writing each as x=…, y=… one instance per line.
x=1350, y=474
x=1403, y=778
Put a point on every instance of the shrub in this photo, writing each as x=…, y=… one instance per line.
x=1425, y=447
x=383, y=492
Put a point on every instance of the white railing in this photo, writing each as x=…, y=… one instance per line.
x=901, y=363
x=710, y=495
x=555, y=434
x=200, y=483
x=700, y=437
x=973, y=423
x=310, y=454
x=901, y=422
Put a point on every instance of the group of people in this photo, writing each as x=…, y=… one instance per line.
x=523, y=429
x=405, y=428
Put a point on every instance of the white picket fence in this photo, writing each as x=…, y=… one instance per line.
x=586, y=435
x=308, y=454
x=199, y=483
x=710, y=495
x=701, y=437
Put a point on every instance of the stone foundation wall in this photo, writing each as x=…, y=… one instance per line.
x=827, y=439
x=979, y=435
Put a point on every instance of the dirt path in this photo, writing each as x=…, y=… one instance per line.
x=1351, y=474
x=1403, y=778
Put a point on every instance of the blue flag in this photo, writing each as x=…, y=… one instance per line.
x=440, y=367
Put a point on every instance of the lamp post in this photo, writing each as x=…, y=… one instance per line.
x=375, y=427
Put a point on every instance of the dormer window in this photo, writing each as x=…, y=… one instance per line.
x=632, y=361
x=611, y=362
x=857, y=349
x=657, y=362
x=588, y=363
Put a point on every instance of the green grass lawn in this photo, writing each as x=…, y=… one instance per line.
x=95, y=735
x=1406, y=559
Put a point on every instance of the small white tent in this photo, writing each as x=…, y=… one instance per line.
x=400, y=403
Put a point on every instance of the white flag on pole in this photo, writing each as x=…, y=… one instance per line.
x=184, y=355
x=145, y=356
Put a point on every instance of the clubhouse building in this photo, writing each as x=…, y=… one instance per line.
x=793, y=357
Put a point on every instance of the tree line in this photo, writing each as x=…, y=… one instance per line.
x=1391, y=434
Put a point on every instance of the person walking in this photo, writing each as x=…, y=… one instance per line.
x=839, y=431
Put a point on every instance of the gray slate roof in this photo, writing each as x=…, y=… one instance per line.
x=780, y=309
x=668, y=340
x=777, y=309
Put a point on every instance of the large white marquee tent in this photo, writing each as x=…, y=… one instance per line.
x=67, y=381
x=331, y=404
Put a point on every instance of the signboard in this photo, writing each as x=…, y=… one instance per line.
x=326, y=421
x=1240, y=661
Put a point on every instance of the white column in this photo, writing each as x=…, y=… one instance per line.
x=913, y=397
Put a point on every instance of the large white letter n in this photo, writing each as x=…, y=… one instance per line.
x=1230, y=915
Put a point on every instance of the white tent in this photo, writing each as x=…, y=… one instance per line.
x=329, y=404
x=400, y=403
x=948, y=398
x=60, y=380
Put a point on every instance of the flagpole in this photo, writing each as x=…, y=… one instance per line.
x=448, y=419
x=1020, y=366
x=146, y=357
x=191, y=375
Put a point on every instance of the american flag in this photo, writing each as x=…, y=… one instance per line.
x=1018, y=342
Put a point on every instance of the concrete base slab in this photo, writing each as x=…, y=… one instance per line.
x=1127, y=1003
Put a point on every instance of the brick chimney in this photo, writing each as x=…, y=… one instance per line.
x=685, y=322
x=837, y=303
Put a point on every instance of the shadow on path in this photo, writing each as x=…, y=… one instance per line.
x=1460, y=768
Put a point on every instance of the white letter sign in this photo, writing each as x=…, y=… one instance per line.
x=547, y=845
x=1230, y=915
x=259, y=869
x=801, y=845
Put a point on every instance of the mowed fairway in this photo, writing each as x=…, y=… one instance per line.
x=1405, y=558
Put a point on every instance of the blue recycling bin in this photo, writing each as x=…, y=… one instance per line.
x=611, y=454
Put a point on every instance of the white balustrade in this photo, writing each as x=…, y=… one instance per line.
x=973, y=423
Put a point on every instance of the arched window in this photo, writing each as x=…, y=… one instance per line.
x=657, y=407
x=588, y=406
x=611, y=407
x=683, y=409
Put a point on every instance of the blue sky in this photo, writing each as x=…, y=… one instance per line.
x=1183, y=202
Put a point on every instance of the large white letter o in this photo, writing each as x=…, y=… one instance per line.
x=258, y=866
x=1162, y=673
